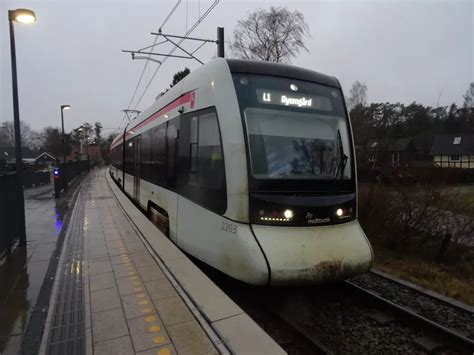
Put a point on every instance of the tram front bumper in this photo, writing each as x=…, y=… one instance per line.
x=311, y=255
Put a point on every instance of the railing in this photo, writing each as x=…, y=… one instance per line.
x=9, y=212
x=66, y=173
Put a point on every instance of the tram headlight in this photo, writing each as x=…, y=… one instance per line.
x=288, y=214
x=339, y=212
x=276, y=216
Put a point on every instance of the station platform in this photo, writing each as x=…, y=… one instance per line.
x=122, y=287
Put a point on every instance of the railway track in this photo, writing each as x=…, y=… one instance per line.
x=359, y=317
x=450, y=323
x=437, y=337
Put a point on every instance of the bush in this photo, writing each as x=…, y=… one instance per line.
x=416, y=219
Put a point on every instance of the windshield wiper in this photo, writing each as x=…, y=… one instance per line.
x=343, y=158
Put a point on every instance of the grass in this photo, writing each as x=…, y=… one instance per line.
x=409, y=256
x=455, y=281
x=464, y=203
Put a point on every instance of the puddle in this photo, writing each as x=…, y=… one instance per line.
x=22, y=273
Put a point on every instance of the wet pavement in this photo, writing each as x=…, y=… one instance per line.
x=22, y=273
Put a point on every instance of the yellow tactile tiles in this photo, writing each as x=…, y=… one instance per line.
x=151, y=332
x=127, y=270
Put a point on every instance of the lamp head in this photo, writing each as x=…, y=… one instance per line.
x=22, y=16
x=65, y=107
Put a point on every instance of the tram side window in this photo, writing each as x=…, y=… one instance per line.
x=145, y=158
x=171, y=147
x=202, y=172
x=129, y=157
x=120, y=156
x=158, y=154
x=193, y=145
x=116, y=157
x=113, y=162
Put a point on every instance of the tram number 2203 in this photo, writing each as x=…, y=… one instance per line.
x=229, y=227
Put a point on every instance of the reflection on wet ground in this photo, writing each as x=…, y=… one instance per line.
x=23, y=272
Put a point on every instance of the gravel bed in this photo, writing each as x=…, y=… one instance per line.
x=427, y=306
x=334, y=315
x=283, y=334
x=251, y=300
x=342, y=322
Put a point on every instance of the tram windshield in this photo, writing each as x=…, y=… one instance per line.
x=295, y=129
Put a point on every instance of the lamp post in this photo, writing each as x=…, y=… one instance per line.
x=21, y=16
x=64, y=107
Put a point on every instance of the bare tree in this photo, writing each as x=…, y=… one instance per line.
x=358, y=95
x=275, y=35
x=35, y=141
x=7, y=133
x=469, y=97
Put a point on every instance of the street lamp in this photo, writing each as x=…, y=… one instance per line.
x=21, y=16
x=64, y=107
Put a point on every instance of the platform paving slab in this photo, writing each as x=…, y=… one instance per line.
x=162, y=350
x=132, y=305
x=148, y=332
x=133, y=309
x=189, y=339
x=121, y=281
x=150, y=273
x=173, y=310
x=102, y=281
x=224, y=317
x=117, y=346
x=160, y=289
x=103, y=300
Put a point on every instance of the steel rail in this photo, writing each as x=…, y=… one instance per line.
x=304, y=333
x=447, y=333
x=430, y=294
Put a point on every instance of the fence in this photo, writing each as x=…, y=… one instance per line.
x=66, y=173
x=36, y=178
x=431, y=175
x=9, y=212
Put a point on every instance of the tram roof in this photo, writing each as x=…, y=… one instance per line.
x=281, y=70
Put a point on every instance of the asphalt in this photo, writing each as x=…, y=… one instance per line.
x=22, y=273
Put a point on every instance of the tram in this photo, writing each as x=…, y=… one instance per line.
x=249, y=166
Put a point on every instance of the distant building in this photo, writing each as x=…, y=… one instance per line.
x=376, y=151
x=393, y=153
x=46, y=159
x=7, y=155
x=90, y=152
x=453, y=151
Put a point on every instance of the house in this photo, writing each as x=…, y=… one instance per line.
x=376, y=152
x=453, y=151
x=393, y=152
x=45, y=159
x=402, y=151
x=90, y=152
x=7, y=155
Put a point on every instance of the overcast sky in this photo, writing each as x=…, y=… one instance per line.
x=403, y=50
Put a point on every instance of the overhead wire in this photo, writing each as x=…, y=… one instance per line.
x=154, y=43
x=188, y=32
x=146, y=62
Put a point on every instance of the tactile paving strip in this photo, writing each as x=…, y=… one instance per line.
x=67, y=332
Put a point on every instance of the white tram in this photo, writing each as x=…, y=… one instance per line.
x=249, y=166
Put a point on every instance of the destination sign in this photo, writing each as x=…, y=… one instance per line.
x=291, y=99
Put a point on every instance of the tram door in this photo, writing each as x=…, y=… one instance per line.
x=136, y=168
